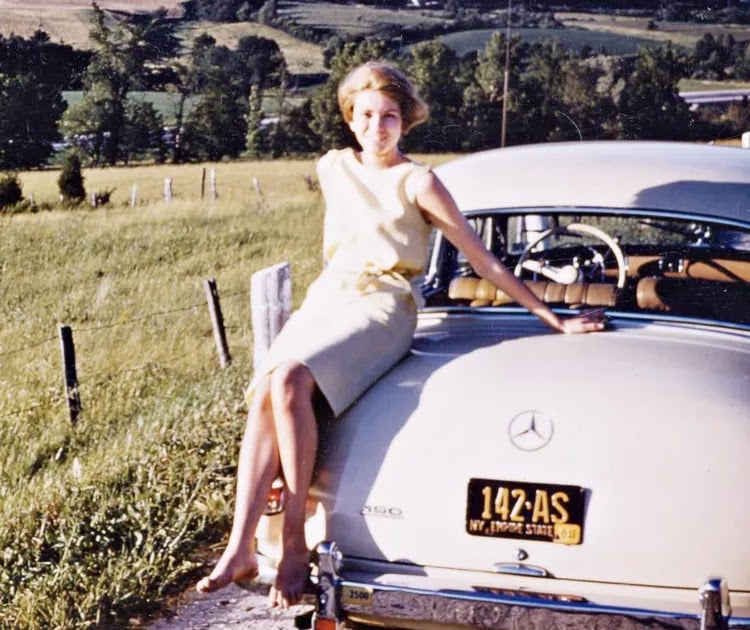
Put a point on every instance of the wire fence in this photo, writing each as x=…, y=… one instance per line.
x=21, y=354
x=66, y=340
x=270, y=293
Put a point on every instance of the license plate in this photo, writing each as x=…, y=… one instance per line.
x=529, y=511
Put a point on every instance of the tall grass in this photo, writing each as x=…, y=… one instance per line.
x=101, y=519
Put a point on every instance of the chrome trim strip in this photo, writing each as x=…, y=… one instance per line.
x=496, y=611
x=626, y=211
x=513, y=568
x=611, y=314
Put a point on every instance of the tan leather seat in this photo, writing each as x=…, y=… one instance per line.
x=481, y=292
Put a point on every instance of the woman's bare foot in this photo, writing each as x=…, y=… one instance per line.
x=291, y=579
x=234, y=567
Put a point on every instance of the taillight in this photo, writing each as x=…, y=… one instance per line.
x=275, y=501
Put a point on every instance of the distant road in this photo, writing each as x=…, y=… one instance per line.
x=711, y=97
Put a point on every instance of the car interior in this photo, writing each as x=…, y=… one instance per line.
x=643, y=263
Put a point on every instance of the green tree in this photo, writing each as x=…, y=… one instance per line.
x=714, y=57
x=143, y=131
x=269, y=12
x=31, y=101
x=586, y=108
x=558, y=98
x=216, y=127
x=650, y=106
x=299, y=138
x=258, y=61
x=428, y=66
x=87, y=122
x=537, y=98
x=123, y=51
x=221, y=10
x=11, y=192
x=742, y=67
x=256, y=142
x=189, y=79
x=484, y=96
x=70, y=180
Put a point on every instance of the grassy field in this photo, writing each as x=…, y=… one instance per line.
x=101, y=520
x=610, y=34
x=356, y=19
x=680, y=33
x=574, y=38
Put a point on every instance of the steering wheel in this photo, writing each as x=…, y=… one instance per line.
x=569, y=273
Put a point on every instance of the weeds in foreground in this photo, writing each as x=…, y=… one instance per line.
x=101, y=519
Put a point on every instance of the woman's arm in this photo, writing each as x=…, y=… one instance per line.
x=438, y=206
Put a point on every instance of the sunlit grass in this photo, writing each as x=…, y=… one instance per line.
x=102, y=518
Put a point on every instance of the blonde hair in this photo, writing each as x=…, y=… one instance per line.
x=376, y=75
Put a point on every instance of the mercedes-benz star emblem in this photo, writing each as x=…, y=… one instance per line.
x=530, y=430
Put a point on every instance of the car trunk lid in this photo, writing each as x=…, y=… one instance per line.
x=649, y=422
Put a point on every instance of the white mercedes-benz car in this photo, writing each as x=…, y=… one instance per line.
x=506, y=476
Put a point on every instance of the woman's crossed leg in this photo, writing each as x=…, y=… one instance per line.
x=281, y=436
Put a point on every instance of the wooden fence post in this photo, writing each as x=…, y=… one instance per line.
x=270, y=306
x=203, y=182
x=69, y=372
x=212, y=183
x=217, y=320
x=262, y=205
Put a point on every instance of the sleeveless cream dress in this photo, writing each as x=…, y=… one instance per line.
x=358, y=317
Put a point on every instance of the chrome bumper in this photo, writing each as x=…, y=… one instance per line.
x=340, y=598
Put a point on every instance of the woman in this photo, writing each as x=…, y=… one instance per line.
x=358, y=317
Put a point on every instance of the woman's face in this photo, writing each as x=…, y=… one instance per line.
x=376, y=122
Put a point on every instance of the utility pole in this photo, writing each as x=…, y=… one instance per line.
x=505, y=78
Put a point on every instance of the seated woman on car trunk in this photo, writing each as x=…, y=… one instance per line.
x=357, y=318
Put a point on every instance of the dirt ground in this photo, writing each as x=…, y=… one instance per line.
x=228, y=609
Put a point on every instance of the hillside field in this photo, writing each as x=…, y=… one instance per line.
x=680, y=33
x=66, y=21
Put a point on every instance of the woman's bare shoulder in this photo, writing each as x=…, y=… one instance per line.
x=332, y=156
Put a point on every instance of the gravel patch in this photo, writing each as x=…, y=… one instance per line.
x=230, y=608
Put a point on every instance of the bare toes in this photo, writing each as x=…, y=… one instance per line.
x=209, y=585
x=234, y=570
x=291, y=579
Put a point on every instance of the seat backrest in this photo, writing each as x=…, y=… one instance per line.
x=481, y=292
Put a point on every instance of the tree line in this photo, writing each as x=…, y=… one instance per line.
x=704, y=11
x=554, y=94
